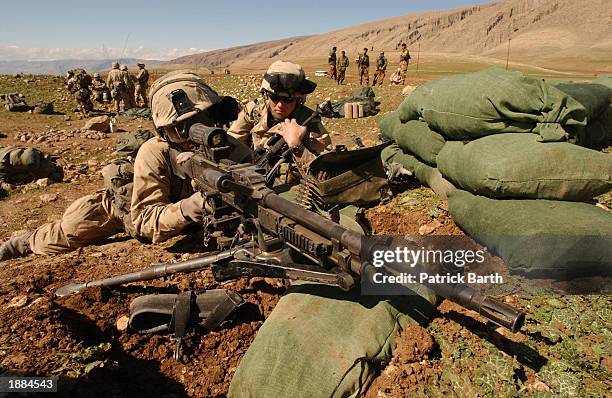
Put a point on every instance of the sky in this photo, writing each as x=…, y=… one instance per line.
x=164, y=30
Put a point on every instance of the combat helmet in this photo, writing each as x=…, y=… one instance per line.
x=286, y=79
x=115, y=65
x=181, y=95
x=96, y=75
x=124, y=67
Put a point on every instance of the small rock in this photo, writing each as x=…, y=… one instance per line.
x=6, y=186
x=429, y=228
x=18, y=302
x=539, y=386
x=92, y=163
x=122, y=323
x=43, y=182
x=99, y=123
x=48, y=197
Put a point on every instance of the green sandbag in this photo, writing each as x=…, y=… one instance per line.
x=540, y=238
x=322, y=342
x=395, y=154
x=598, y=133
x=518, y=166
x=414, y=136
x=427, y=175
x=493, y=101
x=605, y=80
x=596, y=98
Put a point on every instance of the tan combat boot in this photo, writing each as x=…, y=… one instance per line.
x=17, y=246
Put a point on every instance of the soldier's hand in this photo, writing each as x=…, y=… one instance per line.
x=195, y=208
x=292, y=132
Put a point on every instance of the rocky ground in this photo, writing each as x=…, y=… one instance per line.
x=564, y=349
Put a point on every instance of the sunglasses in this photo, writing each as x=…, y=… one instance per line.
x=280, y=98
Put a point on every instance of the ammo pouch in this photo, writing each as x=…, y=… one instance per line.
x=118, y=180
x=344, y=177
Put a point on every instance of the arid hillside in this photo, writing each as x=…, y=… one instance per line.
x=556, y=34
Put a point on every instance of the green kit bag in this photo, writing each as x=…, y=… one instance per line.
x=541, y=238
x=518, y=166
x=493, y=101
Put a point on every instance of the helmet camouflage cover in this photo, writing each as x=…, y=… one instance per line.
x=286, y=79
x=165, y=90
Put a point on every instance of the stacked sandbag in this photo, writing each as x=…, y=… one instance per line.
x=493, y=101
x=414, y=136
x=596, y=97
x=502, y=136
x=517, y=166
x=542, y=238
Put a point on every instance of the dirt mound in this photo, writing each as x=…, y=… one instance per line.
x=409, y=366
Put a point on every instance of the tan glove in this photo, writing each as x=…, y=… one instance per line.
x=193, y=208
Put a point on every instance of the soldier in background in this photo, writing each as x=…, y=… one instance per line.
x=364, y=68
x=331, y=62
x=282, y=109
x=78, y=85
x=381, y=67
x=343, y=64
x=130, y=87
x=100, y=89
x=116, y=82
x=404, y=60
x=142, y=84
x=396, y=77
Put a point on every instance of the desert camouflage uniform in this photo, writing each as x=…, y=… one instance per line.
x=381, y=67
x=131, y=83
x=101, y=90
x=153, y=214
x=343, y=64
x=404, y=60
x=256, y=124
x=364, y=69
x=142, y=85
x=78, y=86
x=116, y=82
x=331, y=61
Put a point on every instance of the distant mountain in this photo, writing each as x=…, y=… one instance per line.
x=547, y=33
x=60, y=67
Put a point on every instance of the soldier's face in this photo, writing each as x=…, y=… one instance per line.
x=281, y=107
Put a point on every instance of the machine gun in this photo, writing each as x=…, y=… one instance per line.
x=262, y=234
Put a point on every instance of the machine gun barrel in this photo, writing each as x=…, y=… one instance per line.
x=465, y=295
x=154, y=272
